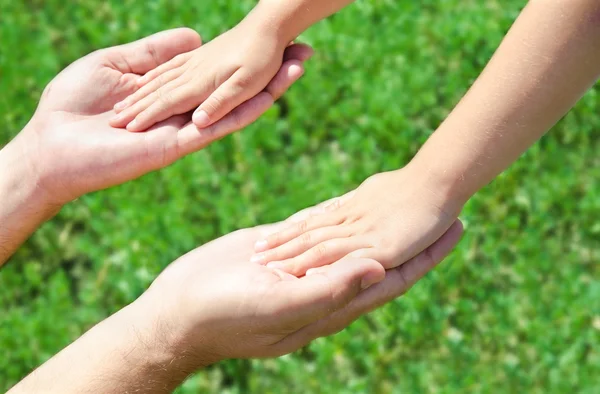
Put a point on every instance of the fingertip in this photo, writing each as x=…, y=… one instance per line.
x=134, y=126
x=276, y=266
x=261, y=245
x=201, y=119
x=120, y=106
x=295, y=71
x=307, y=53
x=141, y=81
x=257, y=258
x=314, y=271
x=372, y=277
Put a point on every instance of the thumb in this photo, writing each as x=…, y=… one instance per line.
x=143, y=55
x=325, y=290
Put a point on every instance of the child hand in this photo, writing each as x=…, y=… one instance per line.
x=217, y=77
x=390, y=218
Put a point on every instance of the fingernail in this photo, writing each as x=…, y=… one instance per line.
x=368, y=281
x=261, y=245
x=132, y=125
x=312, y=271
x=142, y=80
x=257, y=258
x=121, y=105
x=116, y=119
x=201, y=119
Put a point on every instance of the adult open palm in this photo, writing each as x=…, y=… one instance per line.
x=74, y=149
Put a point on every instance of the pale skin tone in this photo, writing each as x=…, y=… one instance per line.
x=226, y=72
x=213, y=304
x=68, y=149
x=548, y=60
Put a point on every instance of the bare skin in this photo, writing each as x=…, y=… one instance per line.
x=226, y=72
x=213, y=304
x=68, y=149
x=548, y=60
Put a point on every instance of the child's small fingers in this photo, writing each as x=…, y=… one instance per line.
x=321, y=254
x=297, y=229
x=161, y=81
x=128, y=115
x=125, y=117
x=301, y=244
x=173, y=102
x=236, y=90
x=177, y=61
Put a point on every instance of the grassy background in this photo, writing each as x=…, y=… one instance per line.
x=515, y=309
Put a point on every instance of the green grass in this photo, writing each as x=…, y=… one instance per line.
x=516, y=308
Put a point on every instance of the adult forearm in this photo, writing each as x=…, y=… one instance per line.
x=126, y=353
x=292, y=17
x=23, y=204
x=550, y=57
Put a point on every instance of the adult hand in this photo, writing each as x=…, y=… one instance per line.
x=72, y=150
x=213, y=304
x=68, y=147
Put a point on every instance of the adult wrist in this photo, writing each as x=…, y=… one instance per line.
x=169, y=335
x=20, y=185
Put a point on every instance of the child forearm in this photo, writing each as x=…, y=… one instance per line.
x=292, y=17
x=550, y=57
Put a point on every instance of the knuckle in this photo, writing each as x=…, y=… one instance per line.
x=160, y=80
x=165, y=99
x=428, y=257
x=306, y=239
x=213, y=104
x=271, y=255
x=178, y=60
x=243, y=81
x=335, y=205
x=273, y=239
x=302, y=227
x=320, y=251
x=236, y=120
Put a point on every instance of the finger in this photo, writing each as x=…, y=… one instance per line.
x=396, y=283
x=280, y=82
x=322, y=254
x=172, y=64
x=237, y=89
x=170, y=101
x=224, y=100
x=409, y=273
x=128, y=115
x=190, y=139
x=302, y=243
x=320, y=208
x=143, y=55
x=377, y=295
x=160, y=81
x=124, y=118
x=296, y=230
x=310, y=298
x=300, y=52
